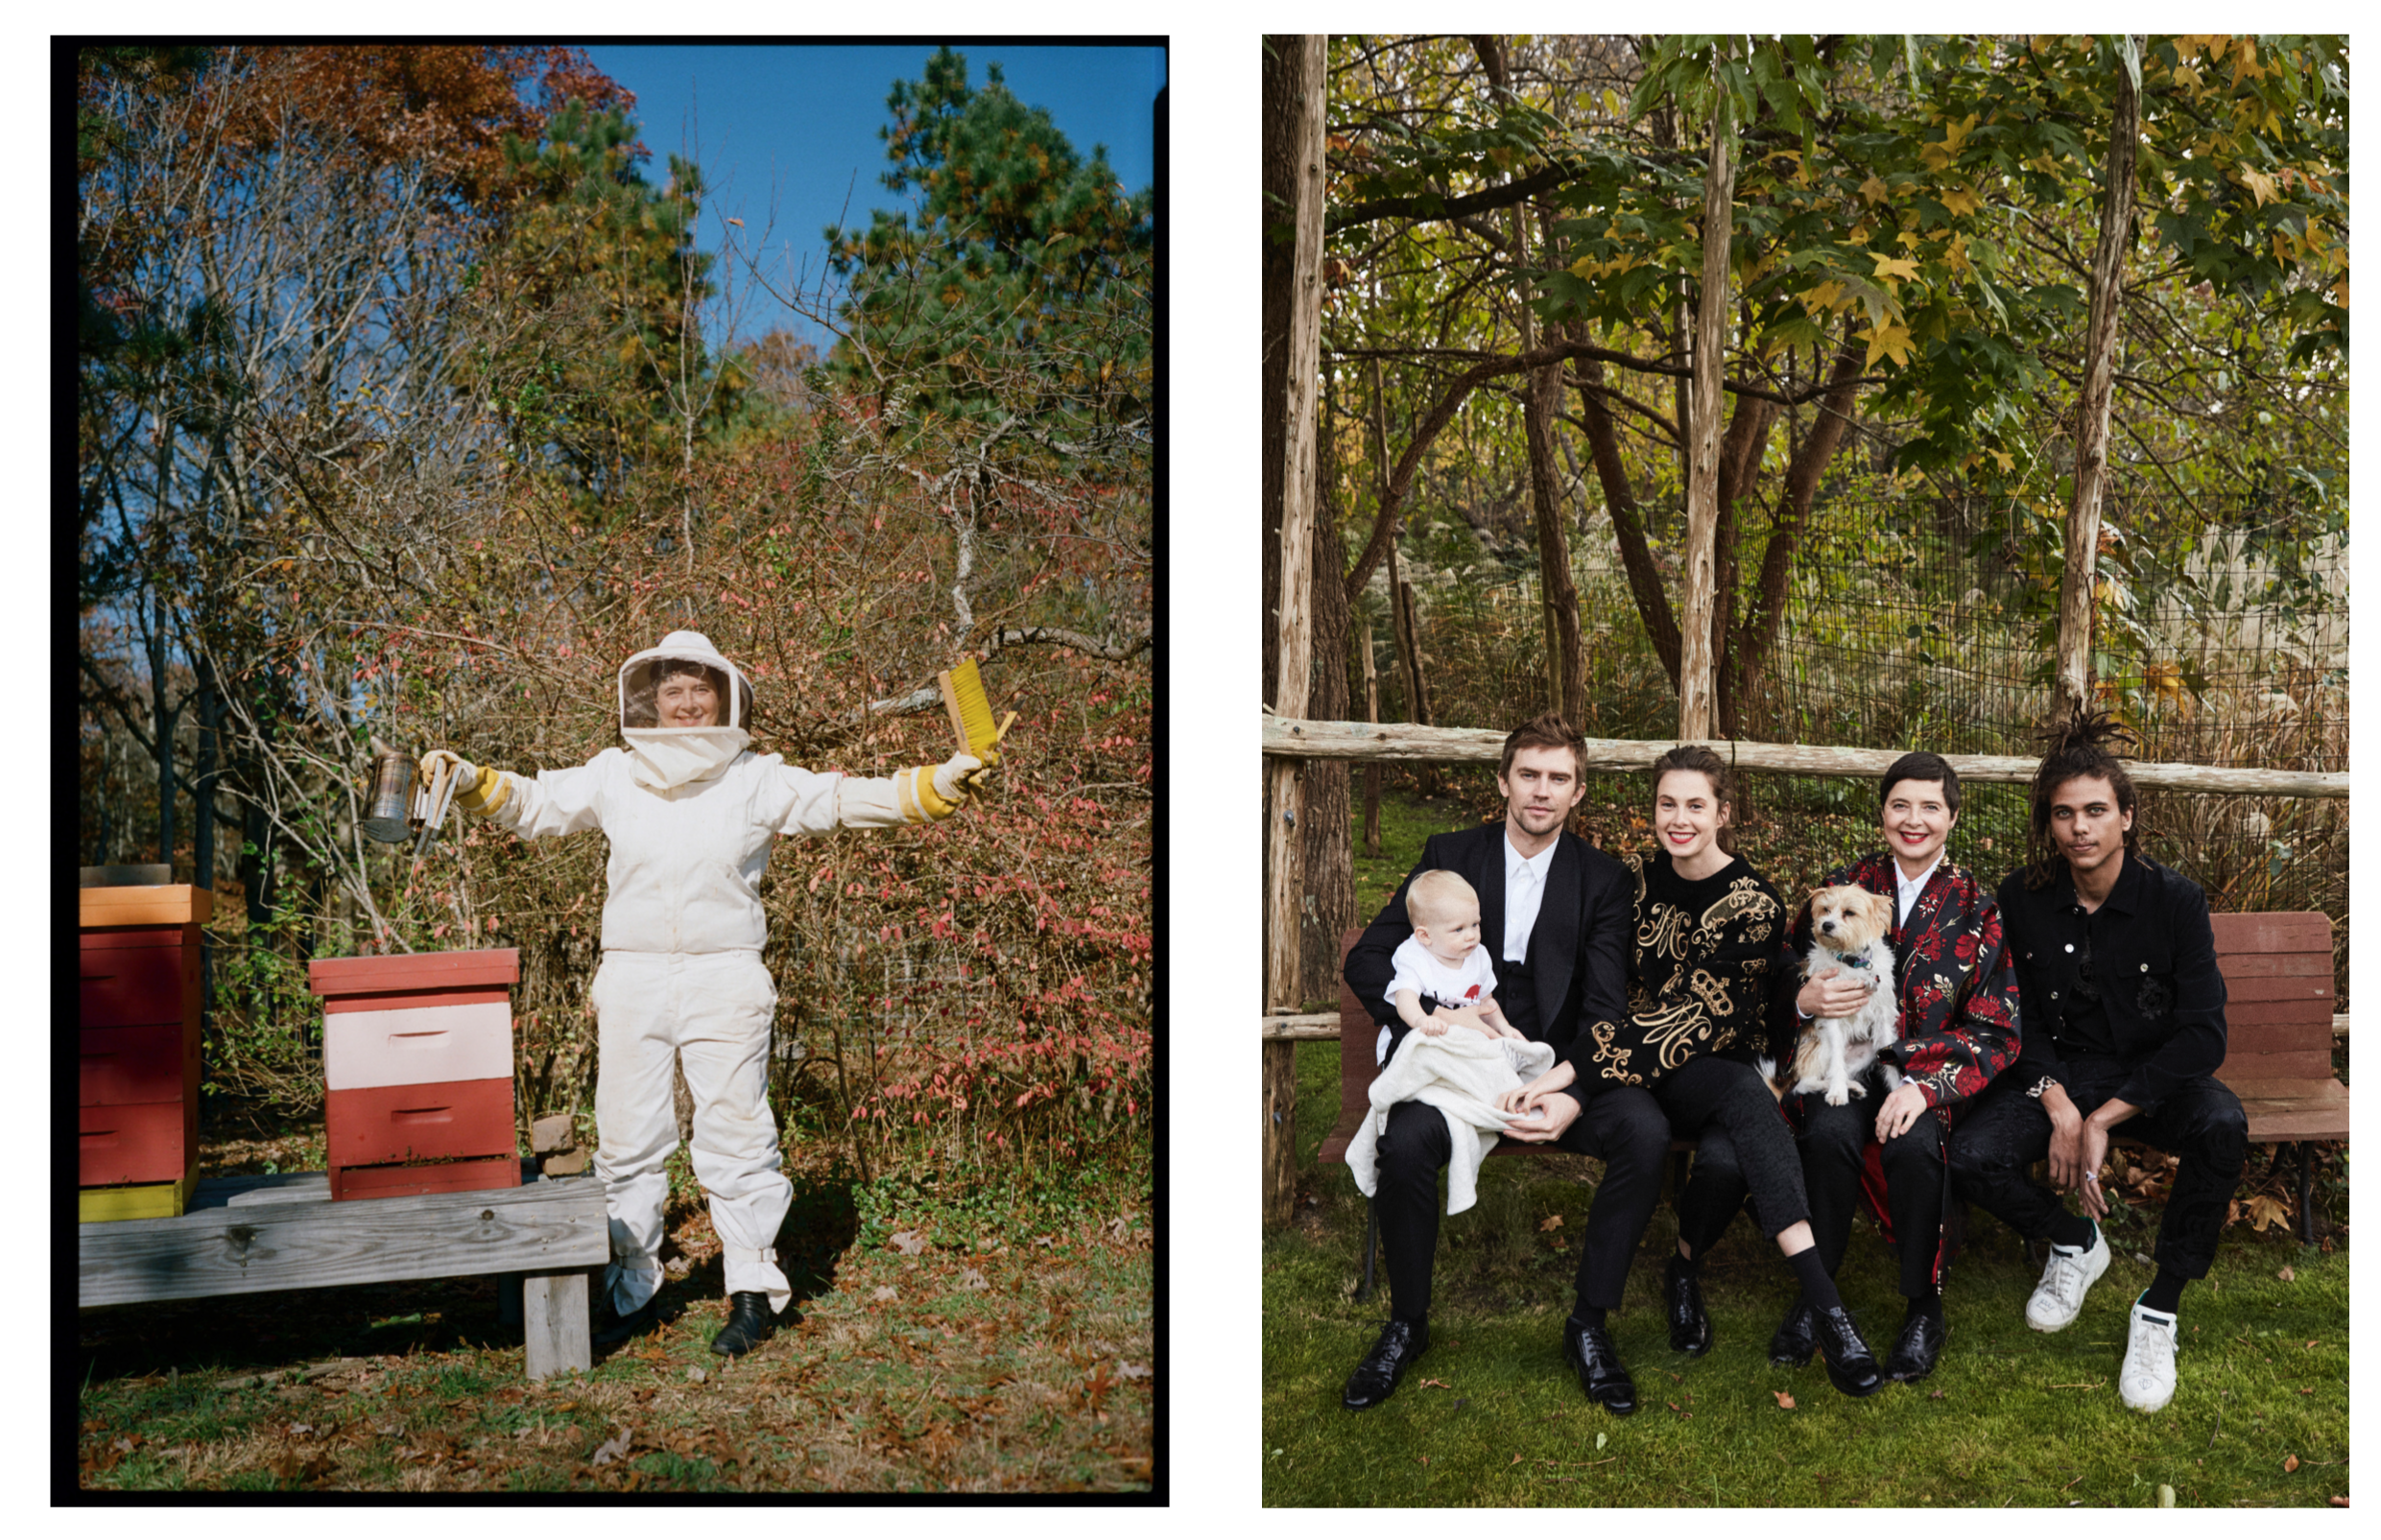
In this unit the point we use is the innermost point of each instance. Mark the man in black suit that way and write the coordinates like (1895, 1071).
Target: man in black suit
(1556, 913)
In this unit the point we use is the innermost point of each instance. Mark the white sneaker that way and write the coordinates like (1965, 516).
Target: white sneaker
(2071, 1270)
(2147, 1382)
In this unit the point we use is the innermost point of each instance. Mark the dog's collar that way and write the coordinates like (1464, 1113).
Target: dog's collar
(1853, 959)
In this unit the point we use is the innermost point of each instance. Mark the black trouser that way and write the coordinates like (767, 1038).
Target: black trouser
(2007, 1130)
(1832, 1141)
(1741, 1144)
(1621, 1125)
(1833, 1144)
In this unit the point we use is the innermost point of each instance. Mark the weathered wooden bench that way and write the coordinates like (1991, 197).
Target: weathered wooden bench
(2278, 1032)
(2280, 1027)
(257, 1234)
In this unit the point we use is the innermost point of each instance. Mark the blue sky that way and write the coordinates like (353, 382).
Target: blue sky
(800, 123)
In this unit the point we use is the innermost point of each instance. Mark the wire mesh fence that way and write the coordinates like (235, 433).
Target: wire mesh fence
(1930, 622)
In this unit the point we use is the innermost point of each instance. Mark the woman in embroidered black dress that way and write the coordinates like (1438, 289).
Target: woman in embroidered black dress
(1958, 1029)
(1704, 953)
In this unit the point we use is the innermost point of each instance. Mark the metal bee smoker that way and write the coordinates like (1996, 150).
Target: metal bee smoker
(401, 803)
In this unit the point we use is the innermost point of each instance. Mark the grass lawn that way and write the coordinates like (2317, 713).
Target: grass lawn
(2011, 1417)
(1013, 1353)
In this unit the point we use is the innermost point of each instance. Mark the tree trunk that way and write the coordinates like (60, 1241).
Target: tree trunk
(1740, 470)
(1300, 360)
(1620, 501)
(161, 722)
(1282, 85)
(1330, 881)
(1371, 772)
(2076, 599)
(1696, 699)
(1566, 669)
(1758, 642)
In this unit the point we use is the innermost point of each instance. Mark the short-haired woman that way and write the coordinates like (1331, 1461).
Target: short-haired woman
(1958, 1028)
(1703, 948)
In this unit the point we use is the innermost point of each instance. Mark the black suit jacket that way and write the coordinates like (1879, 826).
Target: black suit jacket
(1580, 965)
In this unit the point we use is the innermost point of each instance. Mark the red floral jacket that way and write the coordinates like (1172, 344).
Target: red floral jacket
(1959, 993)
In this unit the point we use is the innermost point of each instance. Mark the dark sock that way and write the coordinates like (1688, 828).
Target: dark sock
(1685, 1265)
(2165, 1291)
(1818, 1289)
(1929, 1306)
(1422, 1320)
(2074, 1231)
(1587, 1314)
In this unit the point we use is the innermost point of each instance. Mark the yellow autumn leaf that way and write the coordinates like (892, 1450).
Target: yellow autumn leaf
(1893, 266)
(1860, 234)
(1585, 268)
(2340, 291)
(1956, 256)
(1960, 200)
(2258, 183)
(2006, 460)
(1874, 189)
(1888, 341)
(1830, 295)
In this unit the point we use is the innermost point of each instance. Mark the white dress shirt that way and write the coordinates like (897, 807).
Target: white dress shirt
(1525, 887)
(1908, 890)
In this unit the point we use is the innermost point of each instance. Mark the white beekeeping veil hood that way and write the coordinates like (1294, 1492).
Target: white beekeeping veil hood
(668, 757)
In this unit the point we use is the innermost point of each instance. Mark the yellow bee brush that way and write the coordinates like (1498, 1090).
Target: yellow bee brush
(972, 713)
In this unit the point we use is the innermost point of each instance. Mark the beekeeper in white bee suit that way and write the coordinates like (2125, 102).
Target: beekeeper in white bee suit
(690, 815)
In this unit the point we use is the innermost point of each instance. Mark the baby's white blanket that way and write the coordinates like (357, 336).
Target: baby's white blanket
(1462, 1074)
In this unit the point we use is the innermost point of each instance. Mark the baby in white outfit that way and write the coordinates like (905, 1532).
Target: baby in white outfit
(1443, 959)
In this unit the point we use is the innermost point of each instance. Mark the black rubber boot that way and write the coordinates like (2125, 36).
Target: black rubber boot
(747, 1324)
(619, 1329)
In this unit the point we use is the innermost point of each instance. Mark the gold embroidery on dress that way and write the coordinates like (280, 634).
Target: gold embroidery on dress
(1742, 900)
(1663, 932)
(1673, 1033)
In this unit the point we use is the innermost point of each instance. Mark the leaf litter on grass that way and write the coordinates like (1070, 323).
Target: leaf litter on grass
(987, 1373)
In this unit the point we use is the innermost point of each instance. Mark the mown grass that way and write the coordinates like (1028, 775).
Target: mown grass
(2011, 1417)
(1013, 1353)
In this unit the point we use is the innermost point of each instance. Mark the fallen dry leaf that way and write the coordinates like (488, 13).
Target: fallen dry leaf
(1132, 1371)
(2287, 1276)
(909, 1242)
(1440, 1384)
(611, 1449)
(973, 1279)
(1425, 1459)
(1784, 1400)
(2339, 1499)
(2290, 1463)
(884, 1293)
(1552, 1221)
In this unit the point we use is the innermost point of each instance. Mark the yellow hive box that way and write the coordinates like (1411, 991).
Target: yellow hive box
(174, 904)
(159, 1200)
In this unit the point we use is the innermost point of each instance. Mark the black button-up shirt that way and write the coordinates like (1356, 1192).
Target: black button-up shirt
(2149, 954)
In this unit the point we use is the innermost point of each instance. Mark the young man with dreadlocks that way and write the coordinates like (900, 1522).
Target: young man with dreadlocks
(2122, 1026)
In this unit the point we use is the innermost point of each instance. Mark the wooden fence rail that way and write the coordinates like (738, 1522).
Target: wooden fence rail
(1287, 738)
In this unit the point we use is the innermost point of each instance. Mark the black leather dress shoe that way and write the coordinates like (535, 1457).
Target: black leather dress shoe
(1690, 1326)
(1601, 1373)
(1400, 1343)
(1916, 1349)
(1792, 1346)
(1850, 1366)
(747, 1324)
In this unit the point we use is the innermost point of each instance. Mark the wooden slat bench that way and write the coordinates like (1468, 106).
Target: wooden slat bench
(2277, 971)
(254, 1234)
(2280, 1027)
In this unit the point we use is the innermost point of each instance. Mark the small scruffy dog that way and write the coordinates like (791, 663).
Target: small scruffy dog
(1848, 927)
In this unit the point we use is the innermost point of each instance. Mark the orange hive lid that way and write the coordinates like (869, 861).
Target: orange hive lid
(421, 970)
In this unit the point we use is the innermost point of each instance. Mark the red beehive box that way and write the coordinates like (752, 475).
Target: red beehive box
(384, 1140)
(137, 1037)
